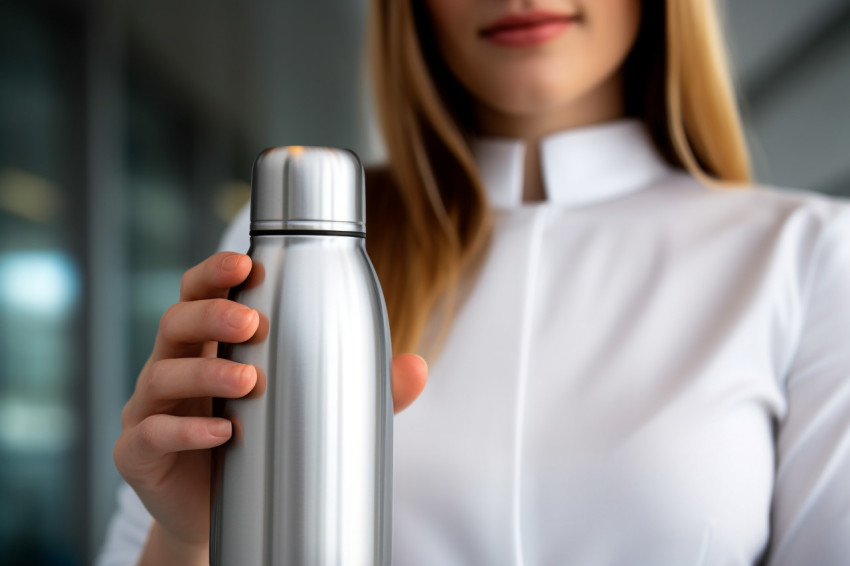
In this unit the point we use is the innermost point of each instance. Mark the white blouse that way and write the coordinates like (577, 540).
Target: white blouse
(648, 371)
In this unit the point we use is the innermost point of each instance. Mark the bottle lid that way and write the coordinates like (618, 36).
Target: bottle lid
(307, 189)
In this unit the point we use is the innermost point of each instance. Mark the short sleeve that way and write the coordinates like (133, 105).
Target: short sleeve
(810, 518)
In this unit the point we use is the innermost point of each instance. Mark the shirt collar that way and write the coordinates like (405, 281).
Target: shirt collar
(579, 166)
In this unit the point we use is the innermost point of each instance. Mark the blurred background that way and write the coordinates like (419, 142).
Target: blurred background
(127, 135)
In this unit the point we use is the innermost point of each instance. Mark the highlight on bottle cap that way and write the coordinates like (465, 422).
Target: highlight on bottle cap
(308, 188)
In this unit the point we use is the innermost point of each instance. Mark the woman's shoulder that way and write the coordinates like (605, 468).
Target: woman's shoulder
(754, 199)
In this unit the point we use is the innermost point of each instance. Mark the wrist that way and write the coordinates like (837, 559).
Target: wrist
(164, 548)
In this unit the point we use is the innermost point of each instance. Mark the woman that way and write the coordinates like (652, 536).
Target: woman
(637, 356)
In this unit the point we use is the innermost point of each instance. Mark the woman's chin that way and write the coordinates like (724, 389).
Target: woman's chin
(529, 103)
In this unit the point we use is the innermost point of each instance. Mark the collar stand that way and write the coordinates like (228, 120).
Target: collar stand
(580, 166)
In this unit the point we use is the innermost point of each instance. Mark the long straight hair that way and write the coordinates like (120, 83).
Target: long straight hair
(429, 218)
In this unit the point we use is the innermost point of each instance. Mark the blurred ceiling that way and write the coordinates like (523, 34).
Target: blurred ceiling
(268, 68)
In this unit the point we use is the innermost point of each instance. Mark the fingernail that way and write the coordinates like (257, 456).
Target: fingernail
(239, 317)
(246, 374)
(231, 262)
(220, 429)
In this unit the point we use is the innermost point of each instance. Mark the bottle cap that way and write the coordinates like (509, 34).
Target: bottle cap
(307, 188)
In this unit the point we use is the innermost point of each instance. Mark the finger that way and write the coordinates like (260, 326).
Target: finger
(186, 327)
(159, 435)
(409, 375)
(214, 276)
(170, 380)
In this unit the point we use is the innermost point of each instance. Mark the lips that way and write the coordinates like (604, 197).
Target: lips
(527, 29)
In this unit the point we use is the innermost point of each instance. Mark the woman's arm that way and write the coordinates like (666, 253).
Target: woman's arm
(810, 519)
(161, 548)
(127, 531)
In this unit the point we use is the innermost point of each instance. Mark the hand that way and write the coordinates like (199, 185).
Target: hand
(167, 425)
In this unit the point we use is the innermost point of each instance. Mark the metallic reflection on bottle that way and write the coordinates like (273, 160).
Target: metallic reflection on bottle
(307, 477)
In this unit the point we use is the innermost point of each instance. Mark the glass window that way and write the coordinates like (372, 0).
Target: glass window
(42, 439)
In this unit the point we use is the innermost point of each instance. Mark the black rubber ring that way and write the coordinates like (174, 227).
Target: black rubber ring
(306, 233)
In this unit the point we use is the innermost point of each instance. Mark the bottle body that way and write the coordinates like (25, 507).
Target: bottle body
(306, 478)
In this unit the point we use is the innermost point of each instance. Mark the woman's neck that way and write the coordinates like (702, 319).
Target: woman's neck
(603, 104)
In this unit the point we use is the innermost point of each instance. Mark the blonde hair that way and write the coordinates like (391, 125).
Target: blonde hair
(429, 218)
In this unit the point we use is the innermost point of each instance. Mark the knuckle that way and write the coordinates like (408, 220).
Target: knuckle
(187, 433)
(166, 322)
(215, 310)
(233, 376)
(147, 433)
(125, 415)
(216, 370)
(118, 456)
(150, 383)
(185, 283)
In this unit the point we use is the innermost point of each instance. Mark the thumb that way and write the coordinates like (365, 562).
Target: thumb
(409, 374)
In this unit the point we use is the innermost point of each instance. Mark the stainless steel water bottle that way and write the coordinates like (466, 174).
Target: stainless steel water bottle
(306, 478)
